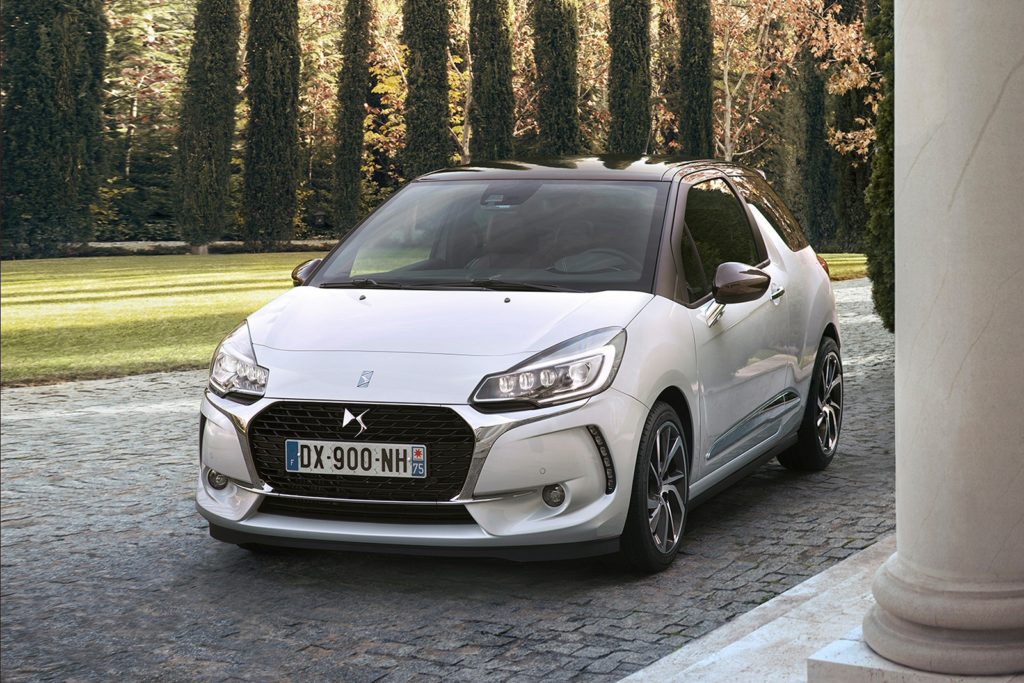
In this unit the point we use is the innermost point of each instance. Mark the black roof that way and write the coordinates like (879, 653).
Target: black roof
(606, 167)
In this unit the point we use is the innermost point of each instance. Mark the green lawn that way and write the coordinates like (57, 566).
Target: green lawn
(76, 318)
(109, 316)
(846, 266)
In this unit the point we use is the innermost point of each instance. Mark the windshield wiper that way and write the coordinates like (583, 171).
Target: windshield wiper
(476, 283)
(491, 283)
(363, 283)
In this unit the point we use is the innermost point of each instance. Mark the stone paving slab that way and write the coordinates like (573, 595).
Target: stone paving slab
(771, 643)
(107, 571)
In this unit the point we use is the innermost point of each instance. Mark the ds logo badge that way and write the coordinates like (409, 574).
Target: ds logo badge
(364, 379)
(349, 417)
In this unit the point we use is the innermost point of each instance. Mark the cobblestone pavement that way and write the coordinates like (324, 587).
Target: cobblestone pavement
(107, 571)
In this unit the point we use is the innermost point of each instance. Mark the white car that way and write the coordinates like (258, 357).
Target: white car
(528, 361)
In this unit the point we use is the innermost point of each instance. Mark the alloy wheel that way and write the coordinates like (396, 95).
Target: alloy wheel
(666, 503)
(829, 416)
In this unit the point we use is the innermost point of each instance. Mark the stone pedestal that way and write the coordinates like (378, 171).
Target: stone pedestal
(952, 597)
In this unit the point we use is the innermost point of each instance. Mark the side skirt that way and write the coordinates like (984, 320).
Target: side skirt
(745, 471)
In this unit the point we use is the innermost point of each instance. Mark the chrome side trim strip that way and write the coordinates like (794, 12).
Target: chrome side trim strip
(766, 415)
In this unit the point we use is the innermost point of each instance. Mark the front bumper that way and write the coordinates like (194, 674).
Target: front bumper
(515, 456)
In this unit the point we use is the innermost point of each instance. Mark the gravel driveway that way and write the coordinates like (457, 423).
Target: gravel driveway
(108, 572)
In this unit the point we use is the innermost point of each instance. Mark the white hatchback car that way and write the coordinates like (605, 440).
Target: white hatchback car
(527, 360)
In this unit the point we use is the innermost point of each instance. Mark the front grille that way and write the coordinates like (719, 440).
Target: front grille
(367, 512)
(448, 439)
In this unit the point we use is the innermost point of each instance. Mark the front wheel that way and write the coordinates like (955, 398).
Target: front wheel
(818, 436)
(657, 508)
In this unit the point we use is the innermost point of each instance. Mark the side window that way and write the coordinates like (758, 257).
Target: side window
(716, 231)
(761, 197)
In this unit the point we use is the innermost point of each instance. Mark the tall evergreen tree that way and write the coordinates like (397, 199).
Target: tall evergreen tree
(272, 140)
(428, 139)
(853, 173)
(353, 83)
(629, 79)
(786, 124)
(52, 79)
(555, 51)
(879, 240)
(208, 124)
(696, 93)
(492, 113)
(816, 167)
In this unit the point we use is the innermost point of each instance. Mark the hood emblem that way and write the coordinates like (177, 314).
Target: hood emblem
(349, 417)
(364, 379)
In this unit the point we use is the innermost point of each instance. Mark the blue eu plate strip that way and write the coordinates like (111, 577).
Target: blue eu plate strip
(292, 455)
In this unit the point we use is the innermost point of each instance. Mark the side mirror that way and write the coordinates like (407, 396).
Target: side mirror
(736, 283)
(302, 271)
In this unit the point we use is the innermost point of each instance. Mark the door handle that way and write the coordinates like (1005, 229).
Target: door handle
(777, 292)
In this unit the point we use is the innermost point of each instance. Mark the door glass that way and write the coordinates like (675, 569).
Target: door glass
(761, 197)
(718, 231)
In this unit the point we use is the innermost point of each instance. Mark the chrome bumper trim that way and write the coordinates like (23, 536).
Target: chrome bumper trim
(267, 490)
(486, 430)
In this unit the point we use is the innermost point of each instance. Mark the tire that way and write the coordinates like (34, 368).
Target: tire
(818, 436)
(656, 518)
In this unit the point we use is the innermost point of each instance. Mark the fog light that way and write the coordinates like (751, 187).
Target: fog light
(553, 495)
(216, 480)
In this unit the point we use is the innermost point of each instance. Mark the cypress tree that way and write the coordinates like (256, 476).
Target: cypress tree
(853, 174)
(208, 124)
(353, 83)
(879, 239)
(492, 111)
(696, 95)
(272, 140)
(629, 80)
(555, 50)
(816, 168)
(52, 79)
(786, 124)
(428, 142)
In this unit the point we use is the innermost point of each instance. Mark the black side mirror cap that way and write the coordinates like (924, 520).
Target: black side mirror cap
(301, 272)
(736, 283)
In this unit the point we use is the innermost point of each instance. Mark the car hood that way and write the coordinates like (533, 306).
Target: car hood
(461, 323)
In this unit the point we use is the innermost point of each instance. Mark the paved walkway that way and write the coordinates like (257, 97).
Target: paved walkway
(108, 572)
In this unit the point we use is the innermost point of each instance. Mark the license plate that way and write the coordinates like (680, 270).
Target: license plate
(359, 458)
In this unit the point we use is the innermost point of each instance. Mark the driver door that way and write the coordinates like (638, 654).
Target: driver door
(741, 370)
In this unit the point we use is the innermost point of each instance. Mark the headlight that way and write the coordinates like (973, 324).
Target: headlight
(234, 369)
(577, 368)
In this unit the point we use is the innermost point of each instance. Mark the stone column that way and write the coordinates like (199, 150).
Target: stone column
(951, 599)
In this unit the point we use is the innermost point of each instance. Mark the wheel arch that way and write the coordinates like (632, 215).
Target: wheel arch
(832, 333)
(676, 399)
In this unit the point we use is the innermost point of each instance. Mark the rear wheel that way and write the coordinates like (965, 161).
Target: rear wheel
(818, 436)
(657, 508)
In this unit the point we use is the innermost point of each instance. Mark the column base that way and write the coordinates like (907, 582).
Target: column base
(954, 628)
(948, 651)
(850, 660)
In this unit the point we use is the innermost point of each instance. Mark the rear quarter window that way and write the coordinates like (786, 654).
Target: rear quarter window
(759, 194)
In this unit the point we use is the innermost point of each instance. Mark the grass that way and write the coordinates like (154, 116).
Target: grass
(846, 266)
(79, 318)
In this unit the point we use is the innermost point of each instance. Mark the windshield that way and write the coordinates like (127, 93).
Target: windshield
(508, 234)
